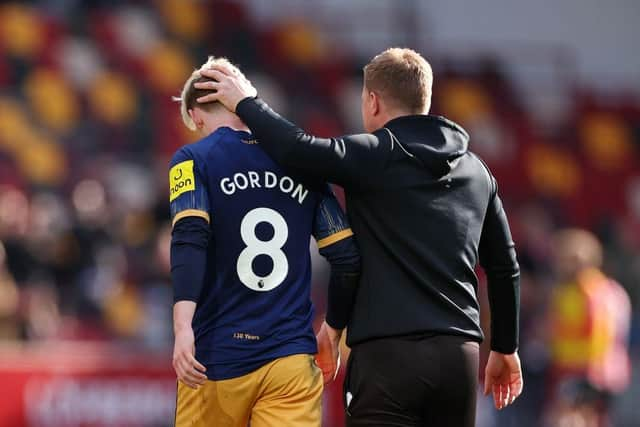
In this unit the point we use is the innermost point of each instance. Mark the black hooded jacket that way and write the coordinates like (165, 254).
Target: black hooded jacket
(424, 211)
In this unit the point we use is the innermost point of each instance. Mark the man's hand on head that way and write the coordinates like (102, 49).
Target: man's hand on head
(228, 86)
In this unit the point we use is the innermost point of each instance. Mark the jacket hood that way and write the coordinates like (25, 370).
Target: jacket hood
(433, 140)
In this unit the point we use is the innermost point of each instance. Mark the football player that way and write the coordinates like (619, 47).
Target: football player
(241, 270)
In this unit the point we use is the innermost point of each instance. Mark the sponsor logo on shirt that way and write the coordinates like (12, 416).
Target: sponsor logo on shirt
(181, 179)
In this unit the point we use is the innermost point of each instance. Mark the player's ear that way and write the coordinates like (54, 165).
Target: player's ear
(374, 103)
(195, 117)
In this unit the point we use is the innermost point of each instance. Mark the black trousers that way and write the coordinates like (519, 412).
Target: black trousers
(412, 381)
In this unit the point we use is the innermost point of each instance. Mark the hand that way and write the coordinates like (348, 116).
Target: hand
(187, 368)
(328, 357)
(503, 377)
(229, 86)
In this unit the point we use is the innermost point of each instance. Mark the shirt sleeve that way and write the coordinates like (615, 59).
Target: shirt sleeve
(348, 160)
(188, 195)
(330, 224)
(189, 243)
(337, 245)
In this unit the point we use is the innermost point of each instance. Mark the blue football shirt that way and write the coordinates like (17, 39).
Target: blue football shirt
(255, 303)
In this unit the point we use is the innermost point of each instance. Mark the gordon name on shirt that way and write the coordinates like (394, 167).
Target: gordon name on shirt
(266, 179)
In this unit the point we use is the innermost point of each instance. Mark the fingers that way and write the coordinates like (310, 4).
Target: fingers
(191, 380)
(212, 97)
(189, 370)
(328, 369)
(515, 389)
(329, 374)
(328, 357)
(327, 377)
(497, 396)
(226, 69)
(199, 366)
(504, 394)
(220, 68)
(513, 393)
(184, 378)
(213, 73)
(210, 85)
(500, 396)
(192, 372)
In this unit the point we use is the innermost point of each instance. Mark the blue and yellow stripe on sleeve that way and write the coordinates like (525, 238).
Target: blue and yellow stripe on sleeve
(330, 225)
(188, 194)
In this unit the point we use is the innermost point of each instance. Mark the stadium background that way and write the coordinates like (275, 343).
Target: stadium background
(549, 93)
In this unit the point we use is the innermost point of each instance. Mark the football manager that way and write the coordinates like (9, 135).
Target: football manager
(425, 210)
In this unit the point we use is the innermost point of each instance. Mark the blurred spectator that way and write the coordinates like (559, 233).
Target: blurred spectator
(9, 303)
(589, 326)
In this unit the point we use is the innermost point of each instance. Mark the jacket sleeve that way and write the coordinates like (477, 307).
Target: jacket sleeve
(498, 258)
(337, 245)
(348, 160)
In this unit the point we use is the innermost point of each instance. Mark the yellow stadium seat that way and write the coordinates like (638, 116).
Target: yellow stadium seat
(176, 66)
(300, 43)
(606, 141)
(552, 171)
(113, 98)
(185, 18)
(14, 124)
(52, 99)
(463, 100)
(21, 30)
(42, 160)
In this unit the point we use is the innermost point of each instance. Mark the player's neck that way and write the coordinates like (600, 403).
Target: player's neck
(223, 119)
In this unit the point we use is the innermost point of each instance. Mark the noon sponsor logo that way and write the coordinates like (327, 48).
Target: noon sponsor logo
(181, 179)
(180, 185)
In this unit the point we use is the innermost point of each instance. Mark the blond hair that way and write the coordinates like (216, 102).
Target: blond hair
(188, 99)
(402, 77)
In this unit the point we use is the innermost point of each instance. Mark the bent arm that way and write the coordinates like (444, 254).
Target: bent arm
(347, 161)
(498, 258)
(337, 245)
(344, 259)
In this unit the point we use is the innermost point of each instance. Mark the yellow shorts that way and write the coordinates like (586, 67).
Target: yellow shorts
(285, 392)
